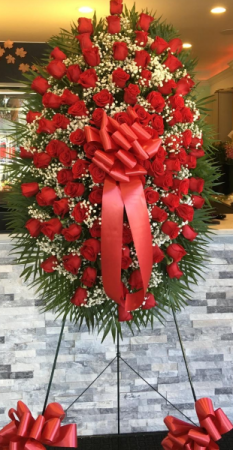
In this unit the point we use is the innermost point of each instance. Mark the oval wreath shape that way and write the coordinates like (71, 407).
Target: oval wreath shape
(109, 195)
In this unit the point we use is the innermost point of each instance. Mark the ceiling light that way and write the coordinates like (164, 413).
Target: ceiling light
(85, 9)
(218, 10)
(187, 45)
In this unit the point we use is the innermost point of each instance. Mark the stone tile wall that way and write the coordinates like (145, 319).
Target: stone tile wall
(28, 341)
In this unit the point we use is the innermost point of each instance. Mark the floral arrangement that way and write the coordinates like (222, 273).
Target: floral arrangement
(224, 153)
(110, 190)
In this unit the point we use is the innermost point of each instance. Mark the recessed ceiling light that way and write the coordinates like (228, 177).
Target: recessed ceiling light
(218, 10)
(85, 9)
(187, 45)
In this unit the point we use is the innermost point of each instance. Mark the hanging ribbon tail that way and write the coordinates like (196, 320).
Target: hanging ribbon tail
(135, 205)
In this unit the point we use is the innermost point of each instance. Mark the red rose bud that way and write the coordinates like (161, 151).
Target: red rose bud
(31, 116)
(120, 51)
(171, 201)
(196, 184)
(103, 98)
(123, 315)
(89, 276)
(185, 212)
(158, 214)
(34, 227)
(25, 154)
(173, 165)
(68, 98)
(60, 121)
(174, 271)
(88, 78)
(78, 109)
(191, 162)
(131, 93)
(159, 45)
(79, 214)
(198, 201)
(158, 255)
(85, 25)
(176, 45)
(56, 68)
(46, 197)
(64, 175)
(156, 100)
(149, 301)
(141, 38)
(72, 263)
(55, 147)
(29, 189)
(90, 249)
(157, 123)
(50, 100)
(167, 87)
(84, 40)
(189, 233)
(151, 195)
(80, 296)
(61, 207)
(176, 252)
(98, 175)
(97, 118)
(49, 264)
(184, 85)
(143, 116)
(127, 235)
(145, 77)
(135, 280)
(176, 118)
(120, 77)
(72, 233)
(91, 56)
(126, 261)
(41, 160)
(73, 73)
(78, 137)
(144, 21)
(116, 6)
(96, 195)
(177, 102)
(114, 24)
(171, 229)
(173, 63)
(58, 54)
(182, 186)
(197, 152)
(46, 126)
(142, 58)
(51, 227)
(187, 138)
(40, 85)
(182, 155)
(187, 115)
(95, 230)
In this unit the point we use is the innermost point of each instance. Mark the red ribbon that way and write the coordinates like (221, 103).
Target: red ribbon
(122, 148)
(26, 433)
(182, 435)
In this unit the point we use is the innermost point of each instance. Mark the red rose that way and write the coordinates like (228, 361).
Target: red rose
(49, 264)
(156, 100)
(153, 133)
(64, 175)
(80, 168)
(196, 184)
(176, 101)
(174, 271)
(95, 230)
(167, 87)
(114, 24)
(97, 117)
(31, 116)
(187, 138)
(158, 255)
(120, 51)
(191, 162)
(41, 160)
(151, 195)
(61, 207)
(125, 260)
(198, 201)
(157, 123)
(91, 56)
(80, 296)
(88, 78)
(90, 148)
(189, 233)
(123, 117)
(184, 85)
(89, 276)
(90, 249)
(164, 181)
(142, 58)
(79, 212)
(173, 63)
(72, 263)
(182, 155)
(25, 154)
(176, 252)
(131, 93)
(51, 227)
(68, 98)
(170, 228)
(34, 227)
(77, 137)
(84, 40)
(157, 167)
(40, 85)
(172, 142)
(98, 175)
(29, 189)
(74, 189)
(73, 73)
(120, 77)
(161, 153)
(66, 156)
(58, 54)
(172, 201)
(46, 126)
(187, 115)
(197, 152)
(56, 68)
(72, 233)
(144, 21)
(78, 109)
(135, 280)
(85, 25)
(141, 38)
(159, 45)
(127, 235)
(145, 77)
(103, 98)
(173, 165)
(176, 45)
(123, 315)
(181, 186)
(96, 195)
(143, 116)
(60, 121)
(185, 212)
(176, 118)
(158, 214)
(55, 147)
(150, 301)
(116, 6)
(46, 196)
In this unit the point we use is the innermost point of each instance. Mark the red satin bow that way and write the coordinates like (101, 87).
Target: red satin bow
(122, 147)
(182, 435)
(26, 433)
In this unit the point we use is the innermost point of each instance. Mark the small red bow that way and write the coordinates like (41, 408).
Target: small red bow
(26, 433)
(183, 436)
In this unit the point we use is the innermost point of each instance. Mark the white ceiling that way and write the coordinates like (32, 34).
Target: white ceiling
(27, 20)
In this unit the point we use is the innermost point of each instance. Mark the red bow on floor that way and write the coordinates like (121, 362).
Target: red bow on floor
(26, 433)
(182, 435)
(122, 148)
